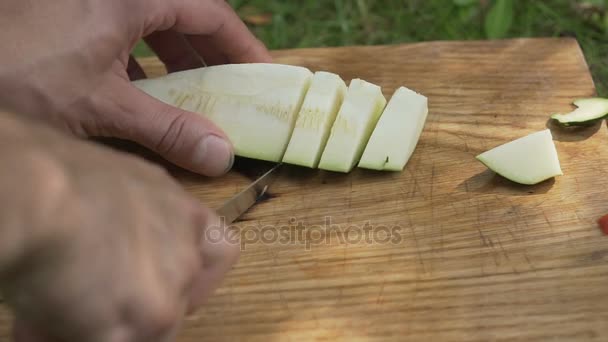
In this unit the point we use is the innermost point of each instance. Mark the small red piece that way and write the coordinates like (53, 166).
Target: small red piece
(603, 222)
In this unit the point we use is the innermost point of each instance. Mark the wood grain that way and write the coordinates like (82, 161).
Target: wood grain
(478, 258)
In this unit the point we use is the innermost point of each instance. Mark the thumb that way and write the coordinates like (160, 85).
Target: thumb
(184, 138)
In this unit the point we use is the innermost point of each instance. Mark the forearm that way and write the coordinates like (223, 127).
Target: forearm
(31, 186)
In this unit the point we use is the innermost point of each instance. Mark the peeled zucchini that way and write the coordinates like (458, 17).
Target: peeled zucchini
(589, 111)
(527, 160)
(278, 112)
(255, 104)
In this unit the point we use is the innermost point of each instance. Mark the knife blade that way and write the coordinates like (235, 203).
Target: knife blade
(241, 202)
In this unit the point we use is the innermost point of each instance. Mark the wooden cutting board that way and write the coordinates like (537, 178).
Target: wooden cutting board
(471, 256)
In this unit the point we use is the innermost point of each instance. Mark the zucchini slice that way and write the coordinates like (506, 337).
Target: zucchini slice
(397, 132)
(588, 112)
(315, 119)
(355, 121)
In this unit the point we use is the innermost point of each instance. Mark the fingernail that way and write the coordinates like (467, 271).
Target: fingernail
(214, 156)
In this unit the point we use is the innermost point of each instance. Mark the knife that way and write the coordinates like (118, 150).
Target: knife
(241, 202)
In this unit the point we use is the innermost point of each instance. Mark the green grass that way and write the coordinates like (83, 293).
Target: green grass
(320, 23)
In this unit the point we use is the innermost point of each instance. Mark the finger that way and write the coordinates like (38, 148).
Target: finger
(205, 47)
(184, 138)
(134, 70)
(220, 250)
(173, 50)
(223, 30)
(23, 332)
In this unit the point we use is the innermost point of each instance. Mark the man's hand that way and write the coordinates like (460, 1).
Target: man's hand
(68, 62)
(97, 245)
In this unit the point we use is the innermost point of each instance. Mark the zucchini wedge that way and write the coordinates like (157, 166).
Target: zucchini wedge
(528, 160)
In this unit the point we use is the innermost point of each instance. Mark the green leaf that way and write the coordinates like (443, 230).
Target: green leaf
(466, 14)
(465, 2)
(499, 19)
